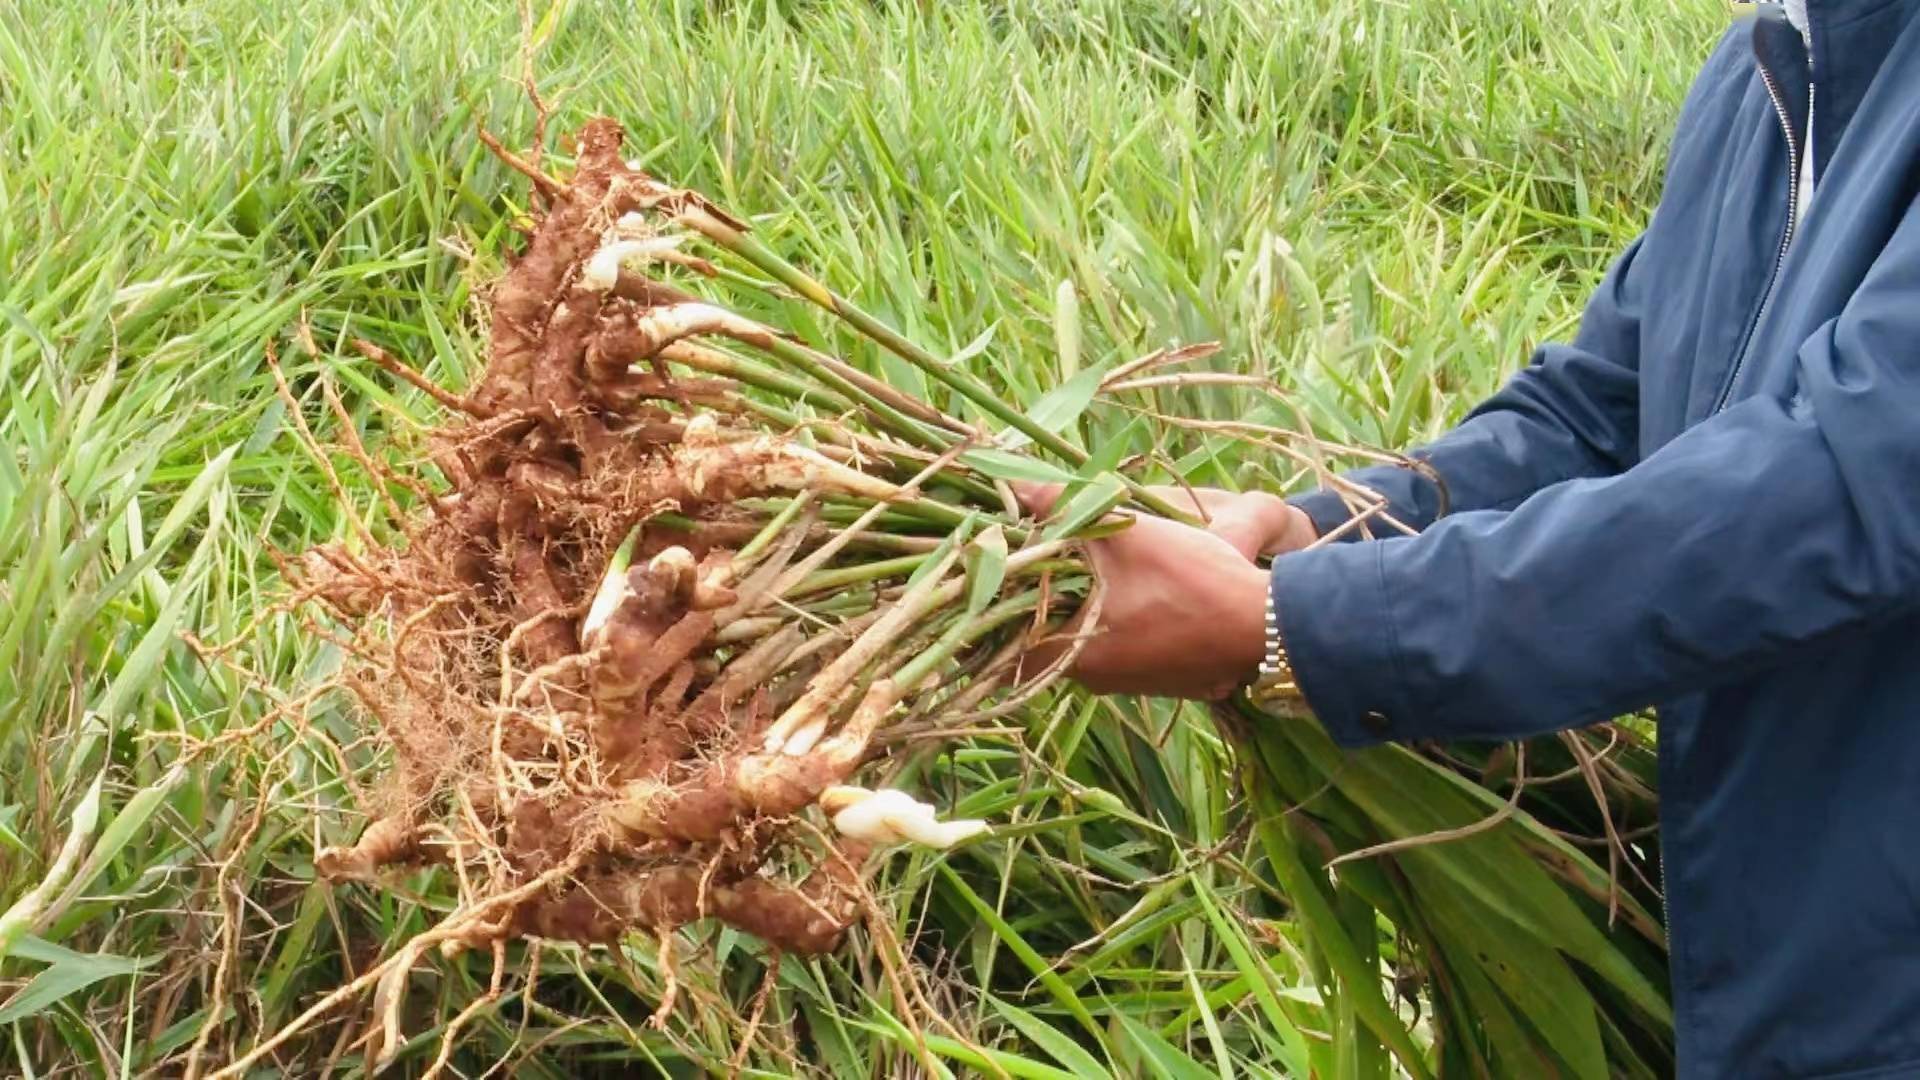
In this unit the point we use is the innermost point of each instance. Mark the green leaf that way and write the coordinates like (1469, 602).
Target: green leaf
(35, 904)
(1107, 456)
(986, 569)
(125, 825)
(1209, 1023)
(979, 1059)
(1408, 796)
(67, 976)
(1006, 465)
(9, 814)
(975, 347)
(41, 951)
(22, 322)
(834, 1042)
(144, 660)
(1084, 507)
(1315, 911)
(1059, 407)
(1358, 1052)
(1049, 1038)
(1258, 976)
(1066, 328)
(1532, 976)
(1483, 1006)
(1161, 1057)
(1021, 948)
(294, 950)
(939, 554)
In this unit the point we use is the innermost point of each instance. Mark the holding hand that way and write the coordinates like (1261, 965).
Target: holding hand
(1256, 523)
(1185, 608)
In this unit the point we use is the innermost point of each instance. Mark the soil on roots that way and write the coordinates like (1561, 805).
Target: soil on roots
(531, 728)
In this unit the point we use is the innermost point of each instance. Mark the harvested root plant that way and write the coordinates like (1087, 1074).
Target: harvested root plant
(645, 621)
(684, 587)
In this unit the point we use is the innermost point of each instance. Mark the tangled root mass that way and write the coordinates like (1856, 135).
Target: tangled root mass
(542, 711)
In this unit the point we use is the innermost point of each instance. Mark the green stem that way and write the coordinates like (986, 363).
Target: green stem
(713, 361)
(963, 632)
(751, 249)
(843, 604)
(782, 418)
(885, 415)
(918, 509)
(751, 551)
(1055, 566)
(858, 574)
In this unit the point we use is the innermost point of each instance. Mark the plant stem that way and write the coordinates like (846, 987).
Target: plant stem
(751, 249)
(32, 906)
(858, 574)
(726, 365)
(751, 551)
(962, 633)
(885, 415)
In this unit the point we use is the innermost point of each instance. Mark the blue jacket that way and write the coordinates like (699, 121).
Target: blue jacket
(1707, 502)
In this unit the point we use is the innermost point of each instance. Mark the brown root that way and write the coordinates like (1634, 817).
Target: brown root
(805, 920)
(386, 841)
(593, 653)
(762, 785)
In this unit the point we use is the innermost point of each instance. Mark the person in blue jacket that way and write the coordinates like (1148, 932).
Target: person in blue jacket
(1708, 502)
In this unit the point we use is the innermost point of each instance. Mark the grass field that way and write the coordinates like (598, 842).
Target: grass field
(1381, 205)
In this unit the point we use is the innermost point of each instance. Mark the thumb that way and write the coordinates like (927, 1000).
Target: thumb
(1247, 537)
(1285, 527)
(1036, 496)
(1261, 524)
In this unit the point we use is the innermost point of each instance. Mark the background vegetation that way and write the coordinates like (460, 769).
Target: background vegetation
(1381, 205)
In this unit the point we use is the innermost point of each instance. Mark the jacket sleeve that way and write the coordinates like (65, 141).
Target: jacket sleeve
(1772, 525)
(1572, 412)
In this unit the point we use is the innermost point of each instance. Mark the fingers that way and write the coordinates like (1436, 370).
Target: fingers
(1284, 527)
(1037, 497)
(1245, 535)
(1042, 654)
(1045, 653)
(1195, 501)
(1262, 524)
(1256, 523)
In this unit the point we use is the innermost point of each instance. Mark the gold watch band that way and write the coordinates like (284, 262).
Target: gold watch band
(1275, 688)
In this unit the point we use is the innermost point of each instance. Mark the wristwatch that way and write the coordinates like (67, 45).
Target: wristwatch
(1275, 688)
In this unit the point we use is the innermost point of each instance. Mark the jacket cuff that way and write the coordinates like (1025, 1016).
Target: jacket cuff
(1337, 626)
(1327, 512)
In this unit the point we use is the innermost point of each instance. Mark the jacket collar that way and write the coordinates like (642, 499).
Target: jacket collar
(1850, 42)
(1797, 14)
(1837, 11)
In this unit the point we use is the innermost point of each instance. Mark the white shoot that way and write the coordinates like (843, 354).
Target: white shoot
(613, 588)
(889, 816)
(603, 268)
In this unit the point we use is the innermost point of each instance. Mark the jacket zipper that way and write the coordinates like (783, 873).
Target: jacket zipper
(1726, 392)
(1786, 236)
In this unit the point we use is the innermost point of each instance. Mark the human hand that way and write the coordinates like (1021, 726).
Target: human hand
(1256, 523)
(1184, 608)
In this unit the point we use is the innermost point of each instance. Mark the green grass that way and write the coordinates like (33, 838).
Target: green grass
(1381, 205)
